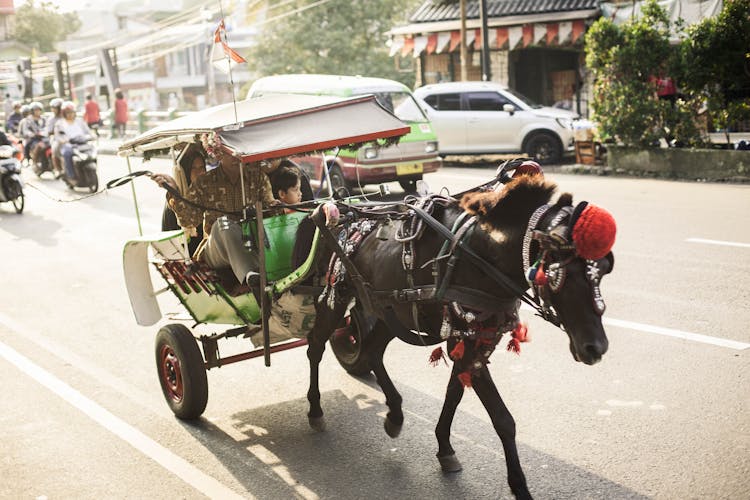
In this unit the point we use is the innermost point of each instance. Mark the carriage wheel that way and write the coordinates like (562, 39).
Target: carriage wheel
(179, 365)
(347, 343)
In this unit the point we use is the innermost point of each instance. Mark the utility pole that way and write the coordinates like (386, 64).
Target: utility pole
(486, 70)
(464, 50)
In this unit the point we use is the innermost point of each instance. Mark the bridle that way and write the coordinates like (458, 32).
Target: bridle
(544, 269)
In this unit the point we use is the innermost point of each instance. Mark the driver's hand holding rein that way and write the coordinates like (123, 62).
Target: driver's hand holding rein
(220, 190)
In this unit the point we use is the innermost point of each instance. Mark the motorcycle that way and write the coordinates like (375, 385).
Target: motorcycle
(84, 164)
(11, 184)
(45, 164)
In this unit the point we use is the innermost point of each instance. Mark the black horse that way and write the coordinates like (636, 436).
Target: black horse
(456, 272)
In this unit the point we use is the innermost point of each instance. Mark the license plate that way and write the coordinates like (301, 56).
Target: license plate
(409, 169)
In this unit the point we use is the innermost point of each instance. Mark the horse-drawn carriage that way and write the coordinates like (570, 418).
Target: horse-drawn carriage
(458, 268)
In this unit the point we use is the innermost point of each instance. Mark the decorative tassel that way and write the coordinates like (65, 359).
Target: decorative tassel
(465, 378)
(520, 334)
(541, 277)
(458, 351)
(436, 356)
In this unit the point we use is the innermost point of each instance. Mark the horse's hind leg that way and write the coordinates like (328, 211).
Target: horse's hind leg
(453, 395)
(375, 348)
(505, 427)
(325, 322)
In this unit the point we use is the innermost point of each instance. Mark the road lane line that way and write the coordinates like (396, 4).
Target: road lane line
(695, 337)
(670, 332)
(135, 438)
(719, 242)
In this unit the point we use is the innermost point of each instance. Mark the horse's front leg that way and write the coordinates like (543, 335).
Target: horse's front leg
(446, 454)
(505, 427)
(325, 323)
(375, 346)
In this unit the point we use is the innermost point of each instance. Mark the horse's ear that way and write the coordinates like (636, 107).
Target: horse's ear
(565, 200)
(479, 203)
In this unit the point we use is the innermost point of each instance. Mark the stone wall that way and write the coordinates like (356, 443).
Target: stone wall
(681, 163)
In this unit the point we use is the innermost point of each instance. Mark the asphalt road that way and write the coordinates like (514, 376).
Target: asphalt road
(664, 415)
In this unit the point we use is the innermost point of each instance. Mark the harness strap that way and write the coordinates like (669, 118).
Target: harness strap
(475, 259)
(474, 299)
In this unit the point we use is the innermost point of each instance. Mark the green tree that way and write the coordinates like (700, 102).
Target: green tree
(42, 25)
(716, 58)
(626, 60)
(336, 37)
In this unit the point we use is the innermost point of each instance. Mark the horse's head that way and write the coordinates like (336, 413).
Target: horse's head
(565, 253)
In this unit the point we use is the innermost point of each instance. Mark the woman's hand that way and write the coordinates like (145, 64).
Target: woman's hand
(164, 180)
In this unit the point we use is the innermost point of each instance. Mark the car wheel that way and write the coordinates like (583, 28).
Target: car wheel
(544, 148)
(338, 182)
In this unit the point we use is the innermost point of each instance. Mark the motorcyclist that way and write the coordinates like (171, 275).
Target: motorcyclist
(32, 130)
(69, 127)
(12, 121)
(55, 105)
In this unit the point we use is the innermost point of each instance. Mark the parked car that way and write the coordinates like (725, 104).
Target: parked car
(486, 117)
(405, 162)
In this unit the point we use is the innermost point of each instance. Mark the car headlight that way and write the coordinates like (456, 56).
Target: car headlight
(371, 153)
(565, 123)
(431, 147)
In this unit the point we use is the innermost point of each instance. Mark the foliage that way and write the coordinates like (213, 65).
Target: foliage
(626, 62)
(41, 25)
(716, 58)
(336, 37)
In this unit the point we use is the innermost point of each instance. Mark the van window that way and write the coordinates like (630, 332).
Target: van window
(401, 104)
(486, 101)
(444, 102)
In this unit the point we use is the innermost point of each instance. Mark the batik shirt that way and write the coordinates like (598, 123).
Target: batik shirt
(215, 190)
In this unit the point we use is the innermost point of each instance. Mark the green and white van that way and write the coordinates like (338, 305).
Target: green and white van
(416, 154)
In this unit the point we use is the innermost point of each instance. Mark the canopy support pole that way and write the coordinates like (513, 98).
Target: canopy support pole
(265, 306)
(135, 199)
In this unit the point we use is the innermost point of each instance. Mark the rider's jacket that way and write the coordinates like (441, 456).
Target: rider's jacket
(31, 127)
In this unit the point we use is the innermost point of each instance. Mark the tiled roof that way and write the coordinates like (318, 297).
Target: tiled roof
(435, 10)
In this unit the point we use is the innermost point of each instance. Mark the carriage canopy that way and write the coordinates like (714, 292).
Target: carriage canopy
(278, 125)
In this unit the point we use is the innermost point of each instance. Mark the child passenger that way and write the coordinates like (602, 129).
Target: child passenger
(286, 182)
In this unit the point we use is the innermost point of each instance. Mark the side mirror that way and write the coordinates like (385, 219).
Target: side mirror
(509, 108)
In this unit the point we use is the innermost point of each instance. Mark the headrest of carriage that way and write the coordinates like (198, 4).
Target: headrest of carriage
(590, 231)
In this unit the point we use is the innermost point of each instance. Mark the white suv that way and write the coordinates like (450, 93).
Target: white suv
(486, 117)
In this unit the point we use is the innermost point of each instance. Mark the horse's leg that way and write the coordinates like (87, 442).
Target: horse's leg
(325, 322)
(375, 346)
(505, 427)
(446, 454)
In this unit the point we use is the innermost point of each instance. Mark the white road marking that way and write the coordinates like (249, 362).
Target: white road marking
(150, 448)
(670, 332)
(695, 337)
(719, 242)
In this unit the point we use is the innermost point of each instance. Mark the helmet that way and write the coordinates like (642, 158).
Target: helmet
(56, 102)
(36, 105)
(68, 106)
(25, 109)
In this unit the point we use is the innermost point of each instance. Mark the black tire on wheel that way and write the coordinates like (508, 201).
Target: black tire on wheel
(18, 203)
(337, 178)
(89, 177)
(544, 148)
(347, 343)
(409, 185)
(181, 373)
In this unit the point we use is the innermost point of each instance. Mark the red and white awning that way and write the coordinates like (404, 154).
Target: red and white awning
(504, 38)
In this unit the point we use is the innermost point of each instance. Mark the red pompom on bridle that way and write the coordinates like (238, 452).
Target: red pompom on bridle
(594, 233)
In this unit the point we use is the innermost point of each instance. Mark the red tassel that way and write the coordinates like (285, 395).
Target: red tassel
(436, 356)
(465, 378)
(541, 278)
(520, 334)
(458, 351)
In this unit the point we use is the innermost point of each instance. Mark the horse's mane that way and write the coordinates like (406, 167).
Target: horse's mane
(513, 204)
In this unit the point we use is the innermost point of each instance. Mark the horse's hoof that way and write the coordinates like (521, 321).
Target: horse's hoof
(317, 423)
(393, 430)
(450, 463)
